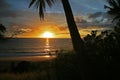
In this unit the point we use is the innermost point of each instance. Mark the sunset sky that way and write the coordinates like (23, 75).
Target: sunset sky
(24, 22)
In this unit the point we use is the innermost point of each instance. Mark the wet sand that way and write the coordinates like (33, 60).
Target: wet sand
(28, 58)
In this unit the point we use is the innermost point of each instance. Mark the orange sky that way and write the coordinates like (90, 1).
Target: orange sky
(37, 32)
(53, 22)
(59, 31)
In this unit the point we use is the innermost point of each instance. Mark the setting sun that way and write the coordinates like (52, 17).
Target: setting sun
(48, 34)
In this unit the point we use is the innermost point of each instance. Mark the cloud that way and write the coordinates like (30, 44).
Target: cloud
(94, 20)
(25, 30)
(100, 17)
(4, 4)
(6, 10)
(95, 15)
(17, 30)
(8, 13)
(79, 19)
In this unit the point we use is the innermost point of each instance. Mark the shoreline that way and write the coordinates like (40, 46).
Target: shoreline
(27, 56)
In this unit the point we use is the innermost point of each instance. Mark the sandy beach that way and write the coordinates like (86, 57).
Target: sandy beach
(25, 57)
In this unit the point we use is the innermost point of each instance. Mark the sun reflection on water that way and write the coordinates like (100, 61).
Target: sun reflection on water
(47, 56)
(47, 45)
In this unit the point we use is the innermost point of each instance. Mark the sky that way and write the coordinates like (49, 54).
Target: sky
(24, 22)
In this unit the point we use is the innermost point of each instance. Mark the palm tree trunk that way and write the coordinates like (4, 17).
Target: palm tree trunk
(74, 33)
(77, 41)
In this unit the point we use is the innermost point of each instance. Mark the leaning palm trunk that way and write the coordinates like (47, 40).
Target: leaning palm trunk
(77, 41)
(74, 33)
(78, 45)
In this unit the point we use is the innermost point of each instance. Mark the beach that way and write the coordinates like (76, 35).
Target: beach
(26, 56)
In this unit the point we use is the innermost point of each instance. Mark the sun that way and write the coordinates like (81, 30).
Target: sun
(48, 34)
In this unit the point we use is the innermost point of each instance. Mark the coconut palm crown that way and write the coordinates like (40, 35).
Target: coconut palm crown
(113, 8)
(41, 6)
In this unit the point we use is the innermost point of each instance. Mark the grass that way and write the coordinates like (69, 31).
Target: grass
(18, 76)
(35, 71)
(45, 70)
(63, 67)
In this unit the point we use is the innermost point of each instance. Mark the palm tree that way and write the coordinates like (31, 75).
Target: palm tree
(74, 33)
(2, 31)
(77, 41)
(113, 8)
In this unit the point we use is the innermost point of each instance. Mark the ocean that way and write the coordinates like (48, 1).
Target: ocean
(34, 45)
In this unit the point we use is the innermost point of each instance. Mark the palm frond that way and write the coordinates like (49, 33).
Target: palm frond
(31, 3)
(41, 6)
(50, 2)
(2, 28)
(113, 3)
(118, 2)
(113, 8)
(107, 7)
(116, 18)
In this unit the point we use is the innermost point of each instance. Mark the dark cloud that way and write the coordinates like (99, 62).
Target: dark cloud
(9, 13)
(95, 15)
(80, 20)
(20, 31)
(6, 10)
(98, 19)
(4, 4)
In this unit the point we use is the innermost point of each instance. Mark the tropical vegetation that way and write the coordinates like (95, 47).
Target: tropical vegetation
(95, 53)
(2, 31)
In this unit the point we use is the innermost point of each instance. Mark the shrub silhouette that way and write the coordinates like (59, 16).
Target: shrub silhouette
(21, 67)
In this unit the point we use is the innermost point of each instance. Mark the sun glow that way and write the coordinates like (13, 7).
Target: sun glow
(48, 34)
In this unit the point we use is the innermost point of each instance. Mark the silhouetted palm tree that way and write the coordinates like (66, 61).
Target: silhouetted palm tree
(41, 5)
(113, 8)
(78, 44)
(75, 36)
(2, 30)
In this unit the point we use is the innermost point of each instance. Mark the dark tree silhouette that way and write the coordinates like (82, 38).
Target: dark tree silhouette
(41, 6)
(103, 53)
(2, 30)
(113, 8)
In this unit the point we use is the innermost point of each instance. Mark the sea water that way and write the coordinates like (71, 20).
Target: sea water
(34, 45)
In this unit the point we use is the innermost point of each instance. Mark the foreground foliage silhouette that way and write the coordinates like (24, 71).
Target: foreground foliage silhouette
(113, 9)
(94, 53)
(2, 31)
